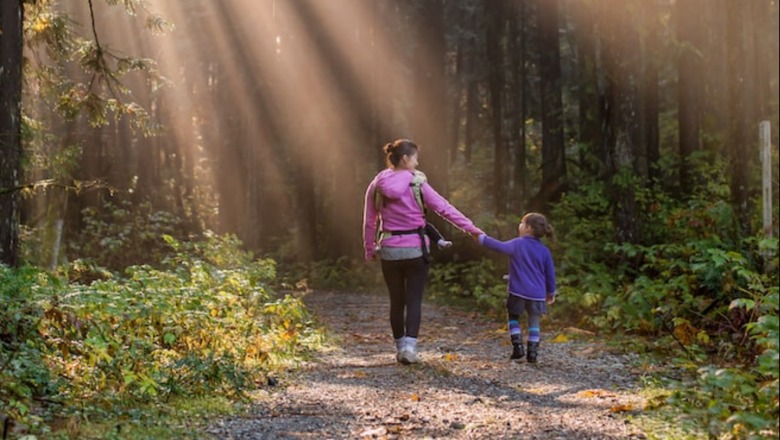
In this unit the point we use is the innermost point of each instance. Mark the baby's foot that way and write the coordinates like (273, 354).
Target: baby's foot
(444, 244)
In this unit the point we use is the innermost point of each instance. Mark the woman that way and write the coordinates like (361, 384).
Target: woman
(394, 230)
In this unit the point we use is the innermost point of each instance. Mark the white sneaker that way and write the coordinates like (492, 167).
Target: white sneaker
(409, 357)
(408, 353)
(400, 346)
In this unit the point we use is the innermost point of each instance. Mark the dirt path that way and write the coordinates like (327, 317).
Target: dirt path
(466, 387)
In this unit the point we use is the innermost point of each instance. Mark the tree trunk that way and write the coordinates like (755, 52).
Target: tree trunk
(519, 55)
(649, 93)
(553, 148)
(494, 12)
(590, 114)
(428, 120)
(11, 17)
(689, 73)
(715, 121)
(740, 145)
(622, 65)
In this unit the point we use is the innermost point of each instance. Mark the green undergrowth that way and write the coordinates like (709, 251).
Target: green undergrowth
(146, 348)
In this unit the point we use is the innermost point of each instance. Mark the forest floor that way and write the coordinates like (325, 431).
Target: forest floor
(465, 388)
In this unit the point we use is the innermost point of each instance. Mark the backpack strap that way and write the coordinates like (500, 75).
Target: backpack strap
(418, 178)
(417, 182)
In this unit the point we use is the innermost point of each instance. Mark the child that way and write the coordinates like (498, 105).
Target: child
(531, 280)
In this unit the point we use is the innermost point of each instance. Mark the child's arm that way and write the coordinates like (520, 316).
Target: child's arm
(505, 247)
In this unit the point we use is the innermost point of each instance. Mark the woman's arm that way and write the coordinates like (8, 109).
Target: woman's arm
(369, 223)
(438, 204)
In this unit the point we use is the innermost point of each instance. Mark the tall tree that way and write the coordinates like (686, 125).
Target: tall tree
(622, 63)
(689, 74)
(589, 97)
(649, 105)
(553, 147)
(739, 141)
(496, 18)
(518, 49)
(11, 17)
(428, 121)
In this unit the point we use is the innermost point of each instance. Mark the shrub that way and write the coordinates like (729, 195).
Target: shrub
(209, 325)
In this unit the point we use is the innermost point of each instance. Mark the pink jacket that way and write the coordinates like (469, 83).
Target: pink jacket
(401, 212)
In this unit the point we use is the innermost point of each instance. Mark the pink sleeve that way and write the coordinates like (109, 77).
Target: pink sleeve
(369, 223)
(443, 208)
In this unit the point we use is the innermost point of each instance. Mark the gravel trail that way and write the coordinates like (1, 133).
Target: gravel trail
(465, 388)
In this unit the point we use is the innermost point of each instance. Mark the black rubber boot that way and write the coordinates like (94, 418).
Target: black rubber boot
(533, 352)
(517, 351)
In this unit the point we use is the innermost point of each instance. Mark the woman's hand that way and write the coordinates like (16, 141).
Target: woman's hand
(550, 299)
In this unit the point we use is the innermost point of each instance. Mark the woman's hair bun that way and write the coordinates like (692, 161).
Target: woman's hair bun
(388, 148)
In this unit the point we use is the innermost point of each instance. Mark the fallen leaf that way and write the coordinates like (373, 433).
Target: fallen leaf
(595, 393)
(622, 408)
(560, 338)
(578, 331)
(450, 357)
(374, 432)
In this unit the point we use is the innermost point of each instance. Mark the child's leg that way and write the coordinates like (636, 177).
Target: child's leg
(534, 335)
(516, 336)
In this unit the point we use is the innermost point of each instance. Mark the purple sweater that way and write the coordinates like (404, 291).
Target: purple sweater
(531, 270)
(400, 211)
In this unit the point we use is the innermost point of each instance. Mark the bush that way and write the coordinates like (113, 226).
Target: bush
(209, 325)
(121, 235)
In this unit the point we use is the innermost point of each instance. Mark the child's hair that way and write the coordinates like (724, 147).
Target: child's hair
(540, 227)
(396, 150)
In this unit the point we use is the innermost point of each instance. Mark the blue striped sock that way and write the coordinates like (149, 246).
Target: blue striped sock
(515, 333)
(533, 334)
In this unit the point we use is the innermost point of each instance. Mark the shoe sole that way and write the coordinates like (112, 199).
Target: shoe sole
(406, 359)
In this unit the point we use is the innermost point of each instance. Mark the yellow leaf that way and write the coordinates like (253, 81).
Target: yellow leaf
(415, 397)
(622, 408)
(450, 357)
(560, 338)
(595, 393)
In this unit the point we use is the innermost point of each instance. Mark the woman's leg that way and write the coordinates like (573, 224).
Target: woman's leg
(416, 277)
(393, 272)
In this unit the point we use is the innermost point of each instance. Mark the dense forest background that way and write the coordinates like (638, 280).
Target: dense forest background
(191, 138)
(266, 119)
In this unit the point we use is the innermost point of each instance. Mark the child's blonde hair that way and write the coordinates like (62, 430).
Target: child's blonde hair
(539, 225)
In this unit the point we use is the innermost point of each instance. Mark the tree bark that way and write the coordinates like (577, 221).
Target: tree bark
(553, 148)
(519, 55)
(590, 115)
(11, 42)
(494, 13)
(689, 73)
(428, 120)
(622, 64)
(649, 92)
(739, 146)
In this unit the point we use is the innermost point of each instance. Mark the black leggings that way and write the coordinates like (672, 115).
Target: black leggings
(405, 282)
